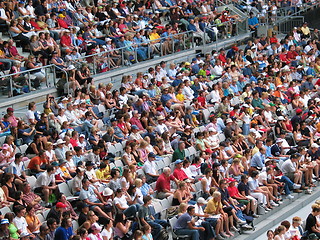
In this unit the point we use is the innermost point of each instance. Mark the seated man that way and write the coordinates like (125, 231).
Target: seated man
(146, 217)
(46, 184)
(30, 198)
(90, 195)
(311, 222)
(186, 225)
(149, 168)
(163, 184)
(38, 163)
(290, 169)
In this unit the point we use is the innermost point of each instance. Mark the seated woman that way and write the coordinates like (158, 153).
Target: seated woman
(25, 132)
(58, 61)
(127, 157)
(121, 203)
(32, 220)
(9, 188)
(181, 195)
(40, 79)
(17, 34)
(35, 146)
(121, 226)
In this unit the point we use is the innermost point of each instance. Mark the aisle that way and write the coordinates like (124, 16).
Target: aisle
(303, 213)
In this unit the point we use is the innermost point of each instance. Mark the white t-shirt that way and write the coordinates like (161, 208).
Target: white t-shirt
(122, 201)
(106, 233)
(29, 116)
(150, 167)
(21, 224)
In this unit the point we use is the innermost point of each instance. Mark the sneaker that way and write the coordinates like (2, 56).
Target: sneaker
(234, 229)
(290, 196)
(279, 201)
(274, 204)
(246, 226)
(267, 209)
(241, 221)
(255, 215)
(296, 186)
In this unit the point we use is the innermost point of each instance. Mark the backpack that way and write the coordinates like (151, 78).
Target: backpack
(163, 235)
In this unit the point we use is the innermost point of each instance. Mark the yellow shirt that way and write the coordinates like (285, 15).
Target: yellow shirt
(154, 36)
(180, 97)
(213, 206)
(65, 172)
(103, 175)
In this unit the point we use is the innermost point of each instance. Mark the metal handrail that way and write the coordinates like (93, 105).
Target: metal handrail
(135, 45)
(29, 72)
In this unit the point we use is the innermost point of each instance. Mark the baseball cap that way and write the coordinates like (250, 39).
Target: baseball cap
(178, 161)
(135, 127)
(10, 109)
(89, 164)
(201, 200)
(60, 205)
(299, 110)
(152, 155)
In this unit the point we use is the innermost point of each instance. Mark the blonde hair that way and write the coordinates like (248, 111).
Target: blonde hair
(216, 194)
(138, 182)
(182, 206)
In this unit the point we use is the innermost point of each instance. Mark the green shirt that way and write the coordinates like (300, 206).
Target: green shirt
(257, 103)
(177, 154)
(13, 230)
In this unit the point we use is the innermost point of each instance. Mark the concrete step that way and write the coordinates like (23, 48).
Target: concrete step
(281, 213)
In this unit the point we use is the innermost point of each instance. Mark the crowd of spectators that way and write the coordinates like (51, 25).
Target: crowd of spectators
(219, 139)
(156, 117)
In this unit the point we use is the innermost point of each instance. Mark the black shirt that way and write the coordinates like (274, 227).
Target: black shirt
(82, 218)
(311, 222)
(243, 187)
(53, 213)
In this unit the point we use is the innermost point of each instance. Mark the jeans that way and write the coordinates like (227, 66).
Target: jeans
(192, 232)
(209, 232)
(245, 129)
(132, 210)
(288, 184)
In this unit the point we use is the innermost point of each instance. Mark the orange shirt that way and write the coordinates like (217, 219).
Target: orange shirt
(35, 161)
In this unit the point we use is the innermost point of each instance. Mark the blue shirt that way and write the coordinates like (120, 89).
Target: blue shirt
(182, 222)
(63, 234)
(253, 21)
(257, 160)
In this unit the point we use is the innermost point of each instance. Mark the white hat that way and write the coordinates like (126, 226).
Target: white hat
(281, 118)
(201, 200)
(211, 129)
(255, 115)
(107, 192)
(71, 67)
(65, 99)
(252, 130)
(279, 140)
(314, 145)
(247, 63)
(229, 120)
(60, 141)
(174, 135)
(108, 39)
(245, 105)
(317, 99)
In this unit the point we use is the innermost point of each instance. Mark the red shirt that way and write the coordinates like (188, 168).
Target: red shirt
(74, 142)
(233, 192)
(163, 183)
(179, 174)
(202, 101)
(62, 23)
(222, 58)
(65, 40)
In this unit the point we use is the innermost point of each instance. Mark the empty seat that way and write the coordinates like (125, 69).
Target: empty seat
(41, 218)
(64, 188)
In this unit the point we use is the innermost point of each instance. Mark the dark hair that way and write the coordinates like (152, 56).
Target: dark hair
(50, 168)
(254, 174)
(51, 221)
(64, 222)
(114, 172)
(118, 219)
(146, 199)
(190, 208)
(18, 209)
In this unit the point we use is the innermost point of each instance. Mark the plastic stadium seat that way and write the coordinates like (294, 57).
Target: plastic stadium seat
(32, 181)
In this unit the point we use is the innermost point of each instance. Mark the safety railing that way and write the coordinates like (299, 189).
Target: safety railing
(28, 81)
(134, 53)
